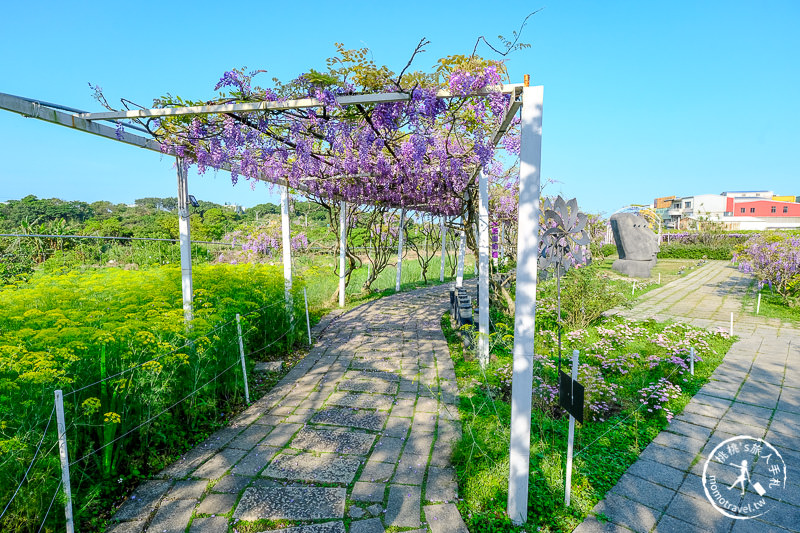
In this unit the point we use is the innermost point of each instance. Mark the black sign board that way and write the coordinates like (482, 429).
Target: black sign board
(570, 396)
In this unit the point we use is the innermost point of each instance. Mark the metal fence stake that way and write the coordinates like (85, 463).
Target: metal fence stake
(64, 455)
(241, 357)
(308, 320)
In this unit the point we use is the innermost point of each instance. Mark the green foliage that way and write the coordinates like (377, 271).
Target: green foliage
(585, 295)
(115, 341)
(696, 251)
(608, 249)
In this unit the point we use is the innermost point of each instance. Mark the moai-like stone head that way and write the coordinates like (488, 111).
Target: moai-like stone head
(635, 240)
(637, 245)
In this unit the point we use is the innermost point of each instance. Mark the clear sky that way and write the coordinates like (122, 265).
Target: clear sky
(642, 99)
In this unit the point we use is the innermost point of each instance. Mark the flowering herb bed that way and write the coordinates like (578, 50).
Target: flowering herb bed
(637, 379)
(139, 387)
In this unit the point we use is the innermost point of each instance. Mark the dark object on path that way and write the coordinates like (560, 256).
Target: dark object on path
(637, 245)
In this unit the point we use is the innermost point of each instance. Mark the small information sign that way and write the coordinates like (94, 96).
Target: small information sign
(570, 396)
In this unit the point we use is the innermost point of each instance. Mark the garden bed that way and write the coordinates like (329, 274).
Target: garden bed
(636, 378)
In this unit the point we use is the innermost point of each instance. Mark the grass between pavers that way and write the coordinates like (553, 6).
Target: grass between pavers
(604, 449)
(772, 305)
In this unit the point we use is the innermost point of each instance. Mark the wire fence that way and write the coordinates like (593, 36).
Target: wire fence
(228, 341)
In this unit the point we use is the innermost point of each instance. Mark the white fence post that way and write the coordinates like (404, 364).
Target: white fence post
(185, 238)
(483, 270)
(342, 248)
(443, 232)
(241, 357)
(287, 251)
(64, 455)
(758, 305)
(462, 245)
(571, 435)
(308, 320)
(691, 360)
(400, 250)
(731, 323)
(525, 316)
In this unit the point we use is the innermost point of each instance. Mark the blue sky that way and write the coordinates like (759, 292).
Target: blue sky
(642, 99)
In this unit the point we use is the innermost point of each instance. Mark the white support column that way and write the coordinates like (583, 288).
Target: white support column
(525, 317)
(443, 231)
(462, 246)
(502, 247)
(185, 239)
(287, 248)
(483, 270)
(400, 249)
(342, 248)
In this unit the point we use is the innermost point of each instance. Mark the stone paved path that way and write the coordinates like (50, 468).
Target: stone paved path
(363, 428)
(755, 392)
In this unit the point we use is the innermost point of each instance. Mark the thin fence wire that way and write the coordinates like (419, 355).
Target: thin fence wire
(188, 343)
(53, 499)
(237, 362)
(30, 466)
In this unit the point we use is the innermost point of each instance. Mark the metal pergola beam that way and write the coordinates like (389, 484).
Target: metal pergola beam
(250, 107)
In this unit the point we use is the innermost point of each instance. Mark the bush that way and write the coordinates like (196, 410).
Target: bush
(585, 295)
(608, 249)
(695, 251)
(774, 259)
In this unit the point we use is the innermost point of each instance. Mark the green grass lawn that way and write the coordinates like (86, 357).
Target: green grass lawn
(772, 305)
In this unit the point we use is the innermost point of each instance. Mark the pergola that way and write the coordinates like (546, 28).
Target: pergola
(522, 97)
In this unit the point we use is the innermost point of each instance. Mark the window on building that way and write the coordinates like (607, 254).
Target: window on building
(687, 204)
(773, 209)
(752, 209)
(741, 209)
(786, 209)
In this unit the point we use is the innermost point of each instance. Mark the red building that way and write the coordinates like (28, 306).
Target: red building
(761, 208)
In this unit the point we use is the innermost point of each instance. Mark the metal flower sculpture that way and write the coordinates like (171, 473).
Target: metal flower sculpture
(565, 238)
(562, 245)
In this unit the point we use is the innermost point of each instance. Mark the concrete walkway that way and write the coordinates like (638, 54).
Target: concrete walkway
(754, 392)
(357, 437)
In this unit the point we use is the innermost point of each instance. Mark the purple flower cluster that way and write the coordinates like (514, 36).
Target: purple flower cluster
(421, 151)
(774, 259)
(657, 395)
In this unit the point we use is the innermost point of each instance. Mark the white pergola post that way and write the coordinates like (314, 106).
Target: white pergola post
(185, 240)
(483, 270)
(287, 249)
(462, 246)
(525, 316)
(400, 249)
(443, 231)
(342, 248)
(501, 240)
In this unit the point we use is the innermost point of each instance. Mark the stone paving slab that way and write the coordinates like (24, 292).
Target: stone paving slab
(372, 420)
(324, 468)
(333, 440)
(290, 503)
(444, 518)
(380, 402)
(403, 506)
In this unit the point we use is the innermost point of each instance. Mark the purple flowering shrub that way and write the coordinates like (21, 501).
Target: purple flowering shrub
(258, 245)
(773, 259)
